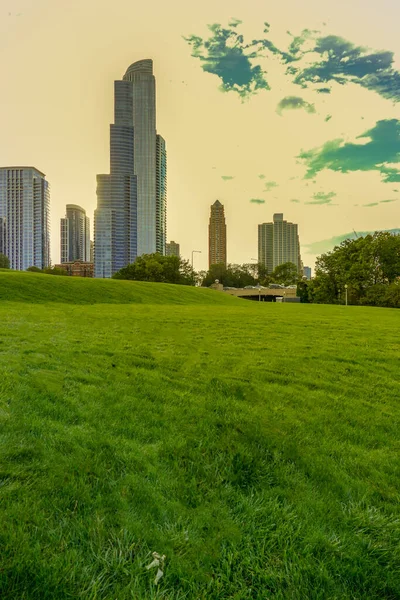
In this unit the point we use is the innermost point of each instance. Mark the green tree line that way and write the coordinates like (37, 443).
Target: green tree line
(369, 266)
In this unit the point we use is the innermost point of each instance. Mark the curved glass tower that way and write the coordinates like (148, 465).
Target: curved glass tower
(130, 219)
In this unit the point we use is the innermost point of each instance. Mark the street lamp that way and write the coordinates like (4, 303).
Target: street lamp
(345, 287)
(193, 251)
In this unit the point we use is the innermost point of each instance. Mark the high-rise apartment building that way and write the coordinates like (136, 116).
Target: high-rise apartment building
(130, 219)
(173, 249)
(217, 235)
(25, 217)
(2, 234)
(278, 243)
(307, 272)
(161, 195)
(75, 235)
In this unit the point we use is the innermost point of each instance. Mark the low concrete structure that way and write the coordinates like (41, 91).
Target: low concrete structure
(265, 294)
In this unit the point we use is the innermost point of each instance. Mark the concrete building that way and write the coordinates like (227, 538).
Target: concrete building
(173, 249)
(217, 235)
(278, 243)
(2, 235)
(25, 217)
(307, 272)
(161, 195)
(75, 235)
(130, 219)
(78, 268)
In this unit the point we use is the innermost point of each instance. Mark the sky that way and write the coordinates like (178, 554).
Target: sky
(289, 107)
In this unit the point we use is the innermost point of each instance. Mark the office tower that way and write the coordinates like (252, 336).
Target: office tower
(131, 201)
(75, 235)
(25, 217)
(91, 255)
(173, 249)
(217, 235)
(278, 243)
(307, 272)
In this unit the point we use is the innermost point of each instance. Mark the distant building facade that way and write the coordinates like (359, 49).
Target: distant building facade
(25, 217)
(173, 249)
(217, 235)
(130, 219)
(307, 272)
(75, 235)
(278, 243)
(78, 268)
(2, 235)
(161, 195)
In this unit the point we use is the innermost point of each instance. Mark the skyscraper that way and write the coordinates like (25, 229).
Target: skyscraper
(173, 249)
(278, 243)
(217, 235)
(75, 235)
(2, 234)
(25, 217)
(130, 219)
(161, 195)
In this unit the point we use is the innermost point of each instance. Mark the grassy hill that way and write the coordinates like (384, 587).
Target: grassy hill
(255, 445)
(39, 288)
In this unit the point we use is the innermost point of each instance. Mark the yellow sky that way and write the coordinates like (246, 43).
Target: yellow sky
(59, 60)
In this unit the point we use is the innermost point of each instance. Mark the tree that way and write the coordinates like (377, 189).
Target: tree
(55, 271)
(229, 275)
(285, 274)
(158, 268)
(361, 264)
(34, 270)
(4, 261)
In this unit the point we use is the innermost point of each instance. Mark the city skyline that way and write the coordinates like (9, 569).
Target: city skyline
(260, 152)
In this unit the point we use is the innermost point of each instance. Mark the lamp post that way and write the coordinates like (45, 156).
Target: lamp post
(193, 251)
(345, 287)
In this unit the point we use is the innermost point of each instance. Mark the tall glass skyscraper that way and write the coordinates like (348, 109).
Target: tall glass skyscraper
(25, 217)
(75, 235)
(130, 218)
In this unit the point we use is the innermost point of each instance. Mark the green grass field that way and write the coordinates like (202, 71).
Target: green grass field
(255, 445)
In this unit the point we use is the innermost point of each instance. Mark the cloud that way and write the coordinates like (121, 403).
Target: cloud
(225, 55)
(395, 190)
(328, 118)
(261, 176)
(270, 185)
(333, 60)
(391, 200)
(329, 244)
(322, 198)
(294, 103)
(371, 204)
(257, 201)
(381, 149)
(295, 200)
(227, 177)
(342, 62)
